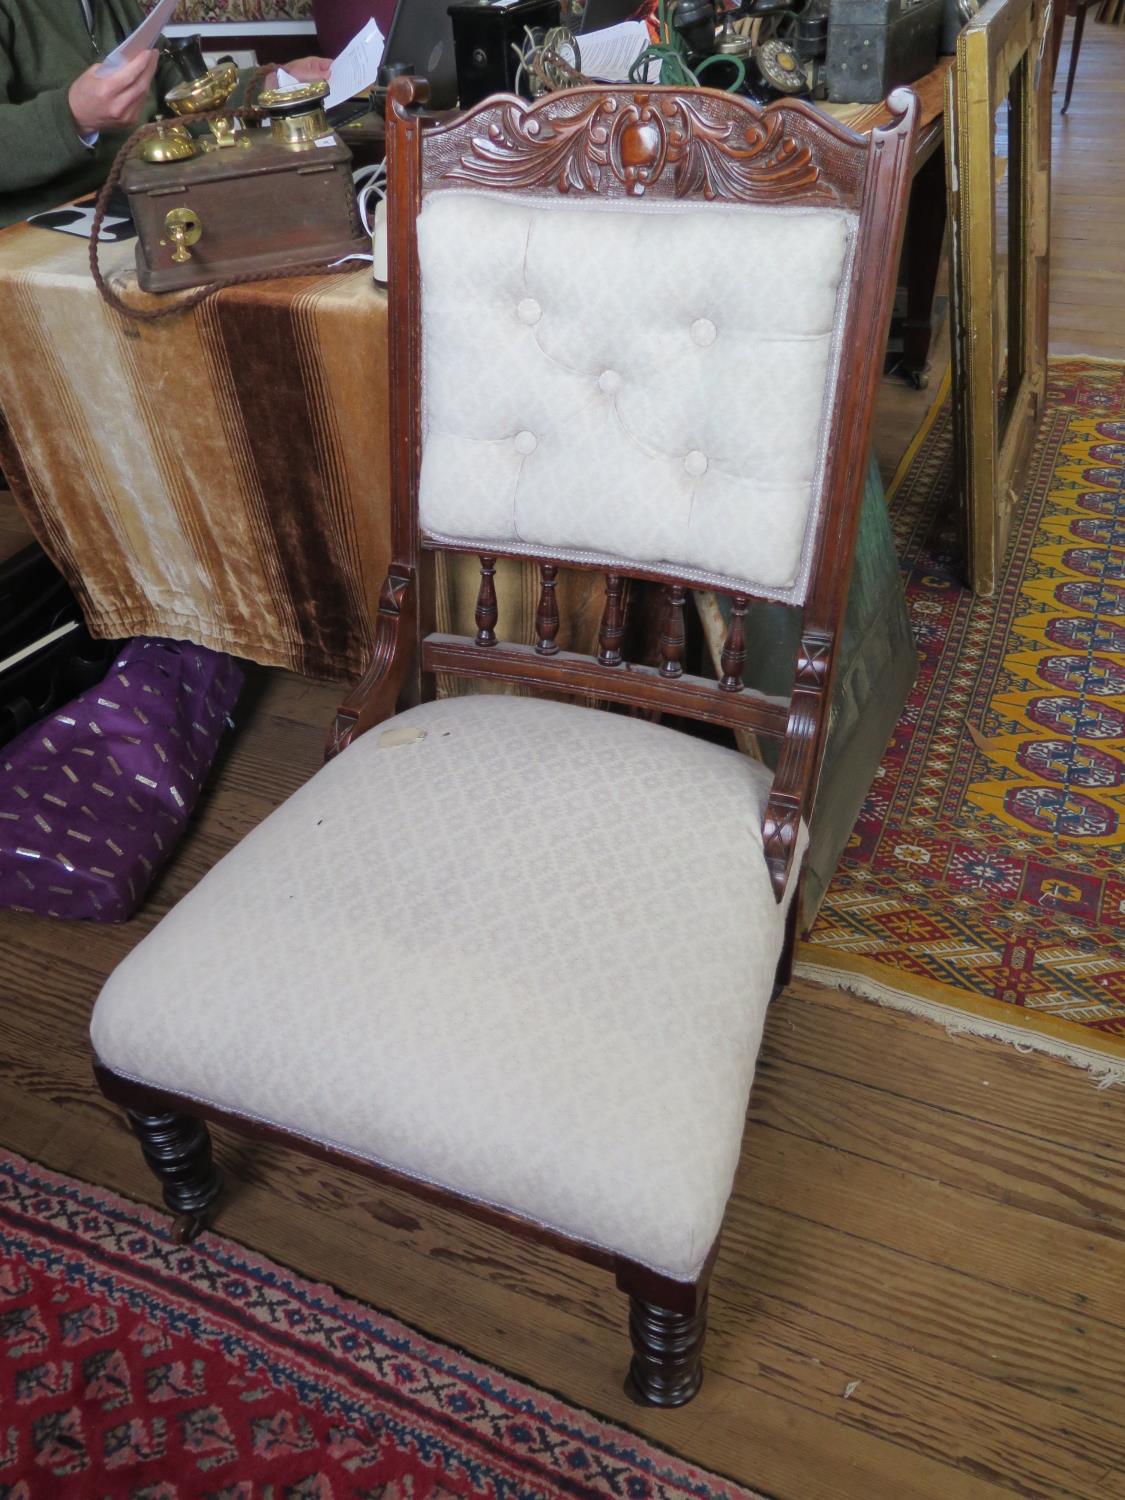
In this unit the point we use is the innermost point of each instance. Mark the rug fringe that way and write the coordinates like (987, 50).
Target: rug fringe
(1105, 1070)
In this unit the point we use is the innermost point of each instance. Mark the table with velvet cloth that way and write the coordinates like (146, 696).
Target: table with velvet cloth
(220, 476)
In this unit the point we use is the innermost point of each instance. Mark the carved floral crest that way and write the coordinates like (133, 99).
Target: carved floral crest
(717, 148)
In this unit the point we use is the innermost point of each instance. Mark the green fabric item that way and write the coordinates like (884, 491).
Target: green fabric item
(875, 673)
(44, 46)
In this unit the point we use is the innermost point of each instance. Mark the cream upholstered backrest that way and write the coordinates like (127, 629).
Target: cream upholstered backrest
(630, 382)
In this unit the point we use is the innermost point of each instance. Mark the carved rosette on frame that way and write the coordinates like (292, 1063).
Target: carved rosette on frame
(629, 144)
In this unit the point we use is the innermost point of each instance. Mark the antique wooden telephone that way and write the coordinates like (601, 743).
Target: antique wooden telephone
(218, 198)
(770, 68)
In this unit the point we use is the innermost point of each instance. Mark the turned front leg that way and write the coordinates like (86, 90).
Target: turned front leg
(667, 1367)
(178, 1149)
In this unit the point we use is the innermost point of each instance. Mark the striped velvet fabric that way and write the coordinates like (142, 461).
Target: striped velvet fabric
(219, 477)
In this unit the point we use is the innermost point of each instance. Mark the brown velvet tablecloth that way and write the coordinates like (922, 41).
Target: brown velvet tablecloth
(219, 476)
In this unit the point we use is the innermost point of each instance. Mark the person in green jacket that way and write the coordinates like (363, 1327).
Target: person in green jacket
(61, 120)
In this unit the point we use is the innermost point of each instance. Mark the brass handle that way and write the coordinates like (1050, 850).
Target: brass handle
(184, 229)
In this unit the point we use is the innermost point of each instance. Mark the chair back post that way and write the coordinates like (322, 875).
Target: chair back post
(879, 240)
(393, 675)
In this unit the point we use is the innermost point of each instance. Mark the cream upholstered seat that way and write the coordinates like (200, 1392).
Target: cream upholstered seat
(501, 996)
(513, 952)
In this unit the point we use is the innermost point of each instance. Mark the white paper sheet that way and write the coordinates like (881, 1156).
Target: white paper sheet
(609, 54)
(143, 38)
(357, 67)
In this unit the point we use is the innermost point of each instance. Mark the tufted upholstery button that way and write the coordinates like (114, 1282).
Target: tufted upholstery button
(528, 311)
(703, 332)
(695, 463)
(609, 381)
(526, 442)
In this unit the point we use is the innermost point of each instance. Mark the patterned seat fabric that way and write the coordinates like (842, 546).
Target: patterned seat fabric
(659, 378)
(470, 949)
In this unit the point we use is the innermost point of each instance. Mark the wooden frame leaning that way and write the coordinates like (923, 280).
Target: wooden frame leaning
(998, 265)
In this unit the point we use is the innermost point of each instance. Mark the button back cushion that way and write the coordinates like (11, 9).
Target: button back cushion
(476, 947)
(644, 386)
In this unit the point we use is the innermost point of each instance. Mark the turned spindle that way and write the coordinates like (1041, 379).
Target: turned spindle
(612, 630)
(547, 615)
(733, 659)
(672, 637)
(486, 610)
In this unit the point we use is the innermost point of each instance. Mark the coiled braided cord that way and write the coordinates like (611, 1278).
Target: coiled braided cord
(674, 70)
(193, 298)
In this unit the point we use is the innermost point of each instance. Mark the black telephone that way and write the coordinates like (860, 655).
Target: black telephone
(771, 68)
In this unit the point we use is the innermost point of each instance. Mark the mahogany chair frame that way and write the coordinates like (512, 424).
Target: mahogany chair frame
(621, 141)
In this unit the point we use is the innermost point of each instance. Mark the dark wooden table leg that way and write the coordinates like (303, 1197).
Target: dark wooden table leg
(1058, 26)
(925, 230)
(1075, 44)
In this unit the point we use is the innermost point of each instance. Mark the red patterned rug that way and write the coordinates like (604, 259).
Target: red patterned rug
(135, 1369)
(984, 882)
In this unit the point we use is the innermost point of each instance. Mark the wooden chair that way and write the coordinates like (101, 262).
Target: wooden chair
(509, 952)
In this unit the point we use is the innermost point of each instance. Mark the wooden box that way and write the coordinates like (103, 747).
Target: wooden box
(874, 45)
(261, 207)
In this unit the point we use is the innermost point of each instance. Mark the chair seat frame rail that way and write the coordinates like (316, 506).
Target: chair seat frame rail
(621, 141)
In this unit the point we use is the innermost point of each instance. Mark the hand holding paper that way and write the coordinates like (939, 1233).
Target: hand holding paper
(357, 67)
(113, 100)
(143, 39)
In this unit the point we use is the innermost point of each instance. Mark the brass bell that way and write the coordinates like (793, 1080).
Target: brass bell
(170, 143)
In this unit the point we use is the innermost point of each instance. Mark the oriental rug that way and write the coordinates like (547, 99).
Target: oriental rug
(983, 883)
(132, 1368)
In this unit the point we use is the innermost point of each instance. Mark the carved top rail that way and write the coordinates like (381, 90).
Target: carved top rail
(659, 143)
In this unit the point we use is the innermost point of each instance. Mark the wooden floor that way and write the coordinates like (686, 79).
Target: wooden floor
(1088, 199)
(920, 1291)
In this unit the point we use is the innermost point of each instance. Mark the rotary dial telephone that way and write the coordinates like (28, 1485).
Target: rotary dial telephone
(772, 66)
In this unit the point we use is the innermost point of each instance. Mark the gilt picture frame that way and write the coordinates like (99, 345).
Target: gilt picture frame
(998, 150)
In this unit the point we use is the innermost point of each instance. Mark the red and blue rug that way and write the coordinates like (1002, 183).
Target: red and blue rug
(984, 882)
(132, 1368)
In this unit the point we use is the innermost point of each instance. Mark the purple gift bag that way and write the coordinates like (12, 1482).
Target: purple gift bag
(94, 799)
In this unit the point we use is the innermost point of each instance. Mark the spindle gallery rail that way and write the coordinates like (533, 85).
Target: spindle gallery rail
(666, 688)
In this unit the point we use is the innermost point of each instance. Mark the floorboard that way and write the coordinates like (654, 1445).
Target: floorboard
(919, 1291)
